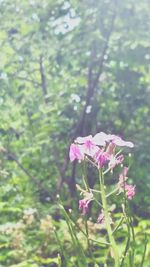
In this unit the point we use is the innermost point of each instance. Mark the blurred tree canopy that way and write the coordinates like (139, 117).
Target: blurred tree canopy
(68, 69)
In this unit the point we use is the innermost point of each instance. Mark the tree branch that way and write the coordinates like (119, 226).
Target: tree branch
(28, 80)
(99, 72)
(43, 79)
(92, 84)
(13, 157)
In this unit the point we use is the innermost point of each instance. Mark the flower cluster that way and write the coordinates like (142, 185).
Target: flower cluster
(101, 150)
(123, 186)
(84, 203)
(104, 152)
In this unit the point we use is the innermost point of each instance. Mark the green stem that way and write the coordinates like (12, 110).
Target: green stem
(107, 220)
(88, 241)
(87, 235)
(125, 251)
(84, 177)
(144, 253)
(100, 242)
(112, 192)
(61, 247)
(120, 223)
(133, 238)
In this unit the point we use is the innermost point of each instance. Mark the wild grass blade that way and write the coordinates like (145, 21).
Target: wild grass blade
(81, 258)
(144, 252)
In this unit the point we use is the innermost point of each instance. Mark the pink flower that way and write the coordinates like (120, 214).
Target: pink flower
(114, 161)
(84, 205)
(101, 218)
(88, 145)
(76, 152)
(99, 139)
(130, 191)
(101, 157)
(122, 185)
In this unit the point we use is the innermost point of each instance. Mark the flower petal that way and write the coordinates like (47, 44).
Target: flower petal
(76, 152)
(120, 142)
(100, 139)
(82, 140)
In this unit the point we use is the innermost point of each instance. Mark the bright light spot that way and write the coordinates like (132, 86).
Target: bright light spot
(35, 17)
(88, 109)
(147, 56)
(66, 23)
(3, 76)
(75, 108)
(75, 97)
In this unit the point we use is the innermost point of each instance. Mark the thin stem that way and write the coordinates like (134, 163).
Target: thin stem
(146, 241)
(120, 222)
(118, 152)
(133, 237)
(98, 202)
(105, 172)
(76, 244)
(112, 192)
(76, 224)
(100, 242)
(92, 162)
(87, 234)
(61, 246)
(84, 176)
(88, 241)
(125, 251)
(129, 234)
(107, 219)
(97, 191)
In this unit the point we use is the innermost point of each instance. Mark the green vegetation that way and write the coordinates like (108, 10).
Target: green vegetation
(68, 69)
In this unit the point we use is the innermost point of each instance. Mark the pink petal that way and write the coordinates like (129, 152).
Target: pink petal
(130, 191)
(76, 152)
(82, 140)
(101, 157)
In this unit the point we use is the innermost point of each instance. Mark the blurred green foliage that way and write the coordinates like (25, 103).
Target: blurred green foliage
(67, 68)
